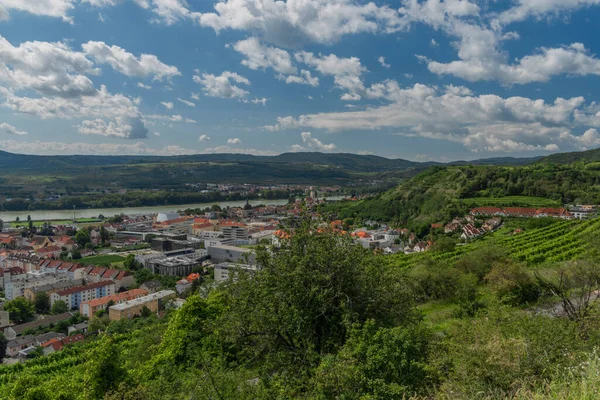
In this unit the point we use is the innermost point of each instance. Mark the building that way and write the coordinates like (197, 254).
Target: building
(82, 327)
(17, 330)
(163, 217)
(46, 337)
(151, 286)
(30, 293)
(181, 265)
(15, 345)
(76, 295)
(4, 319)
(132, 308)
(91, 307)
(15, 284)
(222, 253)
(222, 270)
(235, 233)
(57, 344)
(583, 212)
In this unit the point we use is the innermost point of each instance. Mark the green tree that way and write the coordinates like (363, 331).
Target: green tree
(513, 284)
(104, 370)
(20, 310)
(130, 263)
(306, 297)
(145, 312)
(82, 237)
(1, 225)
(42, 303)
(3, 344)
(59, 307)
(104, 235)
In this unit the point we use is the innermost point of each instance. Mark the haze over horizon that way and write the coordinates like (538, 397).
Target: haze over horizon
(417, 80)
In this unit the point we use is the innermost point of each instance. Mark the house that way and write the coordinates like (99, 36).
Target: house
(492, 224)
(487, 211)
(82, 327)
(43, 338)
(17, 344)
(451, 227)
(151, 286)
(520, 212)
(90, 307)
(14, 331)
(55, 345)
(4, 319)
(554, 212)
(132, 308)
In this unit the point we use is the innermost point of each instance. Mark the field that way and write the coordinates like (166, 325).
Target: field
(561, 241)
(510, 201)
(15, 224)
(101, 260)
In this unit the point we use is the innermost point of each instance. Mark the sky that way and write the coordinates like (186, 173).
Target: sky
(414, 79)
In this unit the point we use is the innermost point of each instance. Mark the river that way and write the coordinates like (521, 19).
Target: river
(47, 215)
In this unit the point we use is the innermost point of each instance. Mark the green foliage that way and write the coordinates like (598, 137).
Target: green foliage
(3, 343)
(59, 307)
(82, 237)
(377, 363)
(20, 310)
(104, 371)
(42, 303)
(513, 284)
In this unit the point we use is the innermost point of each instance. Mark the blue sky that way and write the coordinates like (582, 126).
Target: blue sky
(415, 79)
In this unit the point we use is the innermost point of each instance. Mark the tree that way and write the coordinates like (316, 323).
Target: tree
(104, 235)
(513, 284)
(306, 297)
(20, 310)
(145, 312)
(82, 237)
(444, 244)
(130, 263)
(3, 343)
(104, 371)
(1, 225)
(42, 303)
(59, 307)
(76, 254)
(17, 220)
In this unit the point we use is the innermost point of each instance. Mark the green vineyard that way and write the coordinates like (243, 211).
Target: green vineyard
(561, 241)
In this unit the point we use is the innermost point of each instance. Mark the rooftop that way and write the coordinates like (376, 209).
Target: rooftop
(142, 300)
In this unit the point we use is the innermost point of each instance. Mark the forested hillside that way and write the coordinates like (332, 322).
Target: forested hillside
(441, 193)
(326, 319)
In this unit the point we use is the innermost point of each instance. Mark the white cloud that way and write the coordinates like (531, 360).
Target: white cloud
(256, 100)
(128, 64)
(315, 143)
(346, 71)
(168, 105)
(295, 148)
(260, 56)
(195, 96)
(381, 61)
(484, 122)
(293, 22)
(541, 8)
(61, 148)
(121, 127)
(190, 121)
(204, 138)
(408, 76)
(144, 86)
(234, 141)
(11, 130)
(490, 64)
(186, 102)
(223, 85)
(305, 78)
(50, 68)
(47, 8)
(434, 43)
(228, 149)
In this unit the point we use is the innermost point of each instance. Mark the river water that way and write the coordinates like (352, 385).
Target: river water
(46, 215)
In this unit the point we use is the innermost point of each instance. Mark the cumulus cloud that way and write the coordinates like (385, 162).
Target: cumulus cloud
(11, 130)
(168, 105)
(539, 9)
(305, 78)
(61, 148)
(381, 61)
(50, 68)
(47, 8)
(204, 138)
(260, 56)
(223, 86)
(291, 23)
(187, 102)
(234, 141)
(316, 144)
(144, 86)
(481, 123)
(295, 148)
(128, 64)
(121, 127)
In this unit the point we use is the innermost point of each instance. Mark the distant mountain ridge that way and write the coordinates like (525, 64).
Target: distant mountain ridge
(339, 160)
(587, 156)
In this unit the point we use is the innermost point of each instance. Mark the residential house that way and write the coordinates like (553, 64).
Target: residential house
(55, 345)
(151, 286)
(90, 307)
(74, 296)
(132, 308)
(17, 330)
(15, 345)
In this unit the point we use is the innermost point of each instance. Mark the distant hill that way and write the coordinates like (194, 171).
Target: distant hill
(352, 162)
(576, 156)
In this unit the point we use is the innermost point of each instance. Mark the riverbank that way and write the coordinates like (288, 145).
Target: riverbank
(60, 215)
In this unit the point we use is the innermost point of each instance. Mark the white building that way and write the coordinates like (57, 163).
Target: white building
(222, 271)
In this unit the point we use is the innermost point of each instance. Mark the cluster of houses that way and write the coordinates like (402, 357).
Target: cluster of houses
(469, 228)
(575, 212)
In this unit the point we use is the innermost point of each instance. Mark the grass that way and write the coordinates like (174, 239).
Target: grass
(101, 260)
(511, 201)
(15, 224)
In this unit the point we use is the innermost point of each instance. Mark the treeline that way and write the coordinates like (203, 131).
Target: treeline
(435, 195)
(325, 319)
(138, 198)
